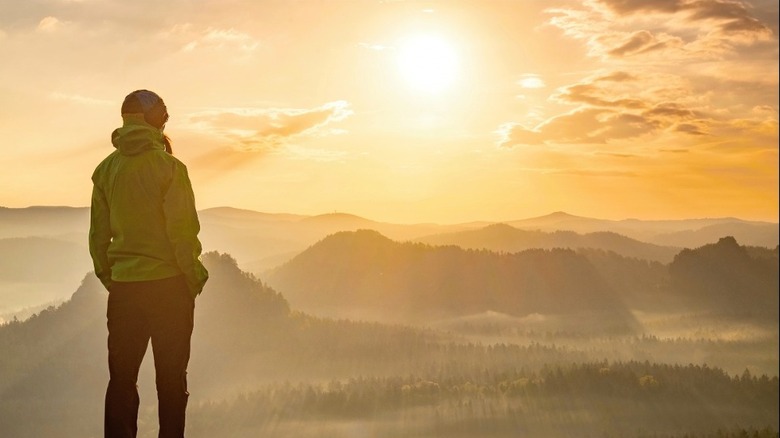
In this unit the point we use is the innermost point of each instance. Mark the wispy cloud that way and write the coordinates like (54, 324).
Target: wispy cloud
(667, 29)
(192, 38)
(727, 17)
(615, 106)
(674, 64)
(586, 172)
(643, 41)
(581, 126)
(263, 129)
(77, 98)
(49, 24)
(530, 80)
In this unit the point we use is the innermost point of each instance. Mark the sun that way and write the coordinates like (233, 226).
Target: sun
(428, 63)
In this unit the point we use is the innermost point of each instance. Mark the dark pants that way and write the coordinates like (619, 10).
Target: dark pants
(160, 310)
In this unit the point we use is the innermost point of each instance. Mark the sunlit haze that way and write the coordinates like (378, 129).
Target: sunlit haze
(407, 111)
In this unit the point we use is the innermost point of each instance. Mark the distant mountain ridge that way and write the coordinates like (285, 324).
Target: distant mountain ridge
(676, 232)
(506, 238)
(56, 221)
(262, 241)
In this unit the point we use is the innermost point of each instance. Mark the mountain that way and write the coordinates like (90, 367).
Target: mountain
(683, 233)
(43, 221)
(727, 277)
(53, 368)
(506, 238)
(364, 274)
(263, 241)
(259, 368)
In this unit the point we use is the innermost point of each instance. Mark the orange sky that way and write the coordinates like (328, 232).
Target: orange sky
(407, 111)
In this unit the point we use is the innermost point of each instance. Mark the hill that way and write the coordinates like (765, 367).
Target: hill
(53, 368)
(259, 368)
(43, 221)
(263, 241)
(727, 277)
(364, 274)
(506, 238)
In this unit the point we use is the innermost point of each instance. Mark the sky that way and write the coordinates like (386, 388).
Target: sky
(407, 111)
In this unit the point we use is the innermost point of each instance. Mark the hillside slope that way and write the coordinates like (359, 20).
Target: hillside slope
(727, 277)
(53, 366)
(365, 273)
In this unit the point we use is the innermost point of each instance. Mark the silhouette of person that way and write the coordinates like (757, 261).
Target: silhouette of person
(145, 250)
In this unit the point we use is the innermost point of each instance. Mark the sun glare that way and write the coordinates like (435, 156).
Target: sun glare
(427, 63)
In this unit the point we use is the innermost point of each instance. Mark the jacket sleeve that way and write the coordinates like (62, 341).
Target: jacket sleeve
(182, 227)
(100, 236)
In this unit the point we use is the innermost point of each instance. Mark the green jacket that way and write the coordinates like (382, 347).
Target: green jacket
(143, 222)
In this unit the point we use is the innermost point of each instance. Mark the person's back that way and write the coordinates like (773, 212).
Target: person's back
(144, 246)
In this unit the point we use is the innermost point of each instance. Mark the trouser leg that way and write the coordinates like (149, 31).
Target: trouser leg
(128, 337)
(171, 333)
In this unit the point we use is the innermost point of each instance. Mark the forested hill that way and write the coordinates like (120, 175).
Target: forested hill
(261, 368)
(374, 276)
(53, 366)
(728, 277)
(505, 238)
(364, 274)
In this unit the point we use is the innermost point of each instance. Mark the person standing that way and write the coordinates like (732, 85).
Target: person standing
(143, 240)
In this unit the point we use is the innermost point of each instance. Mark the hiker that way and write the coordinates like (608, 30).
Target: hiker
(143, 239)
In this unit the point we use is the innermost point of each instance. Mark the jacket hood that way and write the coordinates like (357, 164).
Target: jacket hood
(136, 136)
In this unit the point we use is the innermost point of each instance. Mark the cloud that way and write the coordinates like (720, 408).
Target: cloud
(765, 110)
(617, 106)
(665, 30)
(530, 80)
(213, 38)
(586, 172)
(729, 16)
(618, 76)
(690, 128)
(619, 89)
(77, 98)
(49, 24)
(617, 154)
(270, 128)
(670, 110)
(581, 126)
(641, 42)
(592, 94)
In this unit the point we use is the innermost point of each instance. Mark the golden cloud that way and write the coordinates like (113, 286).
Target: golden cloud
(270, 128)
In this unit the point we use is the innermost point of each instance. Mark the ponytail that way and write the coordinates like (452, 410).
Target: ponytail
(167, 143)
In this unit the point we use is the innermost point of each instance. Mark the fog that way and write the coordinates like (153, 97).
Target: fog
(361, 334)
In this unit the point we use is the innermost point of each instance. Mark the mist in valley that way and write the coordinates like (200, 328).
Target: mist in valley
(337, 326)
